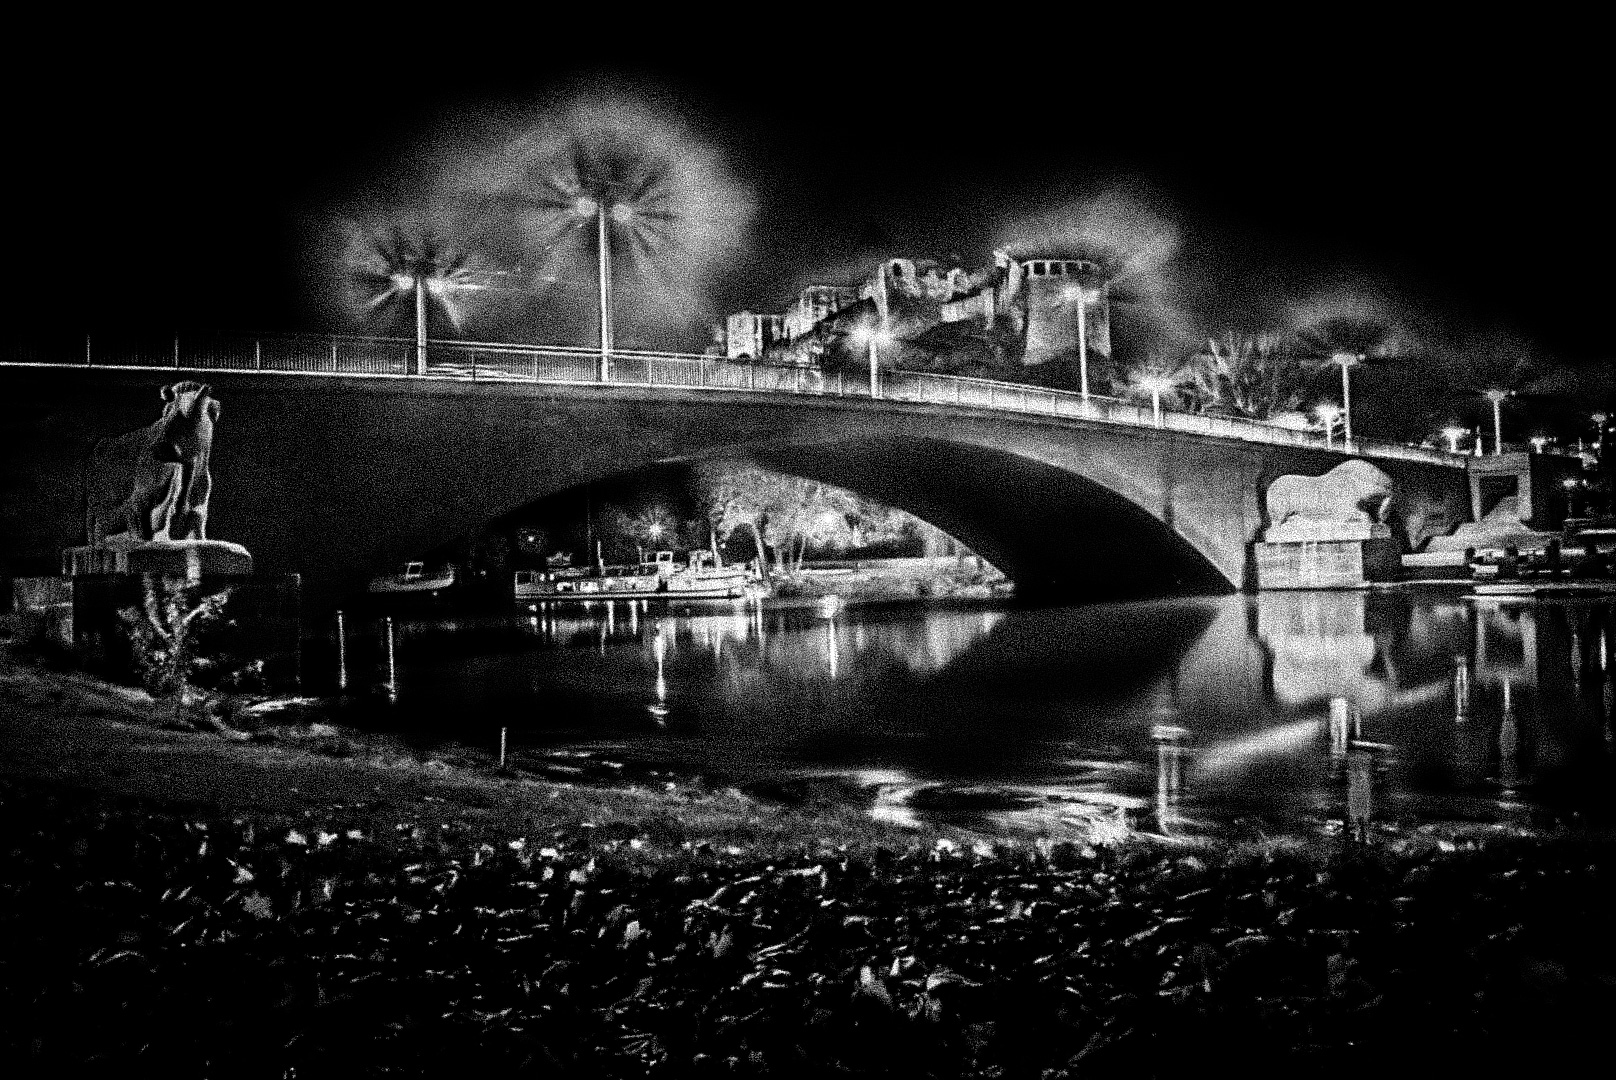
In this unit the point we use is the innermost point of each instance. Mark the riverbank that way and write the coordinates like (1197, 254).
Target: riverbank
(306, 898)
(895, 579)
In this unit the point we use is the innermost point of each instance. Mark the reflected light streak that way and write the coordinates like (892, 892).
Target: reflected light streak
(1234, 754)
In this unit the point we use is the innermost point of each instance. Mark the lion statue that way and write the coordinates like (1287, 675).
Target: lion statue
(153, 484)
(1351, 501)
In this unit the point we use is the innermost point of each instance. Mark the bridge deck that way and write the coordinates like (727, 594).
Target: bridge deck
(397, 358)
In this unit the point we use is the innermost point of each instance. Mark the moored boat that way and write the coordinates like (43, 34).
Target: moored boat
(663, 578)
(415, 578)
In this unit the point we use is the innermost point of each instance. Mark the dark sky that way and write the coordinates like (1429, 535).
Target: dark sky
(153, 189)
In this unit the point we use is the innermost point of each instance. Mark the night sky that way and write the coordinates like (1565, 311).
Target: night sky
(153, 189)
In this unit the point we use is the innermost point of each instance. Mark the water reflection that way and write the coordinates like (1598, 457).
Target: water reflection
(1171, 717)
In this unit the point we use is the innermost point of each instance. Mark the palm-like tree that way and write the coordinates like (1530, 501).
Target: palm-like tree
(1346, 334)
(1254, 375)
(621, 178)
(1500, 367)
(394, 265)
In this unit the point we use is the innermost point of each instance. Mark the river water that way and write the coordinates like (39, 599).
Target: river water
(1178, 717)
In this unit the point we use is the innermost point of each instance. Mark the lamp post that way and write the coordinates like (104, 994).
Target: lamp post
(1328, 415)
(1083, 342)
(872, 337)
(1156, 384)
(1497, 398)
(619, 212)
(1346, 360)
(1453, 435)
(420, 325)
(416, 281)
(1539, 442)
(875, 370)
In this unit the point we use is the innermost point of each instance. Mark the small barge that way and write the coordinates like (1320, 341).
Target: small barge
(700, 578)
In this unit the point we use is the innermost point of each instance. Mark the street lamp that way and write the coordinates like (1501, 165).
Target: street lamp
(1083, 296)
(1328, 414)
(1453, 435)
(1497, 398)
(1156, 385)
(872, 338)
(420, 282)
(621, 213)
(1346, 360)
(1539, 442)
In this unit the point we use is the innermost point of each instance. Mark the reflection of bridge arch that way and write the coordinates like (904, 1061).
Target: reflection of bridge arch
(335, 477)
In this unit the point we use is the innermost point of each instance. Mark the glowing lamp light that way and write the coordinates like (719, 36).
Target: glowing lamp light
(1156, 386)
(1453, 435)
(585, 206)
(865, 336)
(622, 213)
(1539, 442)
(403, 281)
(656, 531)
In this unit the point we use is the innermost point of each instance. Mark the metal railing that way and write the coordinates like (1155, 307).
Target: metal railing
(386, 357)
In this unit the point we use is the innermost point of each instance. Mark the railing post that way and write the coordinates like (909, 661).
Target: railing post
(535, 367)
(258, 355)
(88, 362)
(751, 376)
(333, 354)
(474, 365)
(841, 384)
(176, 352)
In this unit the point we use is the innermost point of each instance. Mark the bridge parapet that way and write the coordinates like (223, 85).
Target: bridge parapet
(394, 358)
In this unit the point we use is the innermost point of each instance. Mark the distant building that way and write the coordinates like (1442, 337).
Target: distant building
(746, 335)
(1062, 295)
(816, 304)
(1045, 300)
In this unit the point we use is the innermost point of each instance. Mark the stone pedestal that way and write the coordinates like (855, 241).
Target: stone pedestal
(189, 559)
(1326, 564)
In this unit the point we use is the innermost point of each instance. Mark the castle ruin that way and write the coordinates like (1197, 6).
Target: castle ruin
(1046, 304)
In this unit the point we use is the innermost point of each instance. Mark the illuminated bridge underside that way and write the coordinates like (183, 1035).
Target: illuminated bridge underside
(336, 478)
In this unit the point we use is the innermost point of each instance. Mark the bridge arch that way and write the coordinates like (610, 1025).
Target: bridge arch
(1053, 531)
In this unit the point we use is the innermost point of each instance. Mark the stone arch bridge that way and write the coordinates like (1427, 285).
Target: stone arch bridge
(341, 476)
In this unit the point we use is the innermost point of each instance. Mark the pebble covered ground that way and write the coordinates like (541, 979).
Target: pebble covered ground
(416, 931)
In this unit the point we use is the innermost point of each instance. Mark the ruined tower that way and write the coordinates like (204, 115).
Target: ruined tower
(1062, 298)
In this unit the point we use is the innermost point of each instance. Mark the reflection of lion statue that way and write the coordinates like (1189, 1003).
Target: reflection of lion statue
(1352, 497)
(153, 484)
